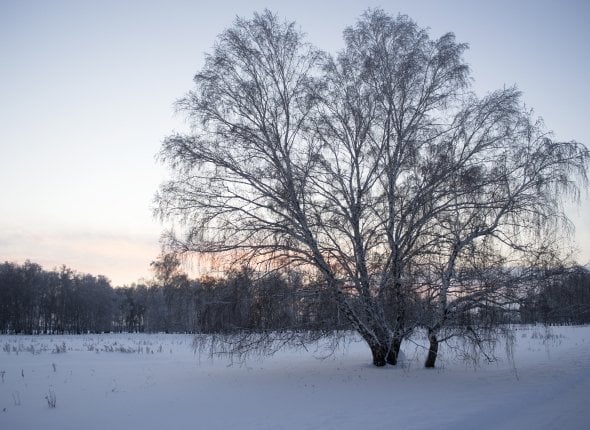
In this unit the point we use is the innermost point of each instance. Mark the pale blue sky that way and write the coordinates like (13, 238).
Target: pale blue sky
(87, 88)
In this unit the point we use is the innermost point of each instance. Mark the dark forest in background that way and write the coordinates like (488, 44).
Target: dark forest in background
(36, 301)
(33, 300)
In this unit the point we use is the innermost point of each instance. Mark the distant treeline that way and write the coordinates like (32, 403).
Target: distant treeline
(563, 298)
(36, 301)
(33, 300)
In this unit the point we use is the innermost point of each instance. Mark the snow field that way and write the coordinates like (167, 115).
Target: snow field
(142, 381)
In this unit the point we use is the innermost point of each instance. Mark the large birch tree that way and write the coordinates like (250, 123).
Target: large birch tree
(377, 168)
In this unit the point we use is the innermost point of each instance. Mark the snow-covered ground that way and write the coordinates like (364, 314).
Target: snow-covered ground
(134, 381)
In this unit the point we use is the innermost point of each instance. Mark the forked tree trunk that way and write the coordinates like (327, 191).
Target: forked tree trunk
(383, 353)
(379, 352)
(432, 351)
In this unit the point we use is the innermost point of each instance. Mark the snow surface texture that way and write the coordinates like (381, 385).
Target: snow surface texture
(146, 382)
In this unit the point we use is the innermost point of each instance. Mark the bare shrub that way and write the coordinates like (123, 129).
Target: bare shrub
(51, 398)
(60, 348)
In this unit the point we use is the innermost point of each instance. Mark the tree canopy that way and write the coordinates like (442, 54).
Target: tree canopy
(377, 168)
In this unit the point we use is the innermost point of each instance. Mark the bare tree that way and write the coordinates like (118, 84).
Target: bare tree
(373, 168)
(500, 203)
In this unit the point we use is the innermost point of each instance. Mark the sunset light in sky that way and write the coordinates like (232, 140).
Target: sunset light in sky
(87, 91)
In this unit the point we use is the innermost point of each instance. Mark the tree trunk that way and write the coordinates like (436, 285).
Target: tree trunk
(432, 351)
(393, 353)
(379, 352)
